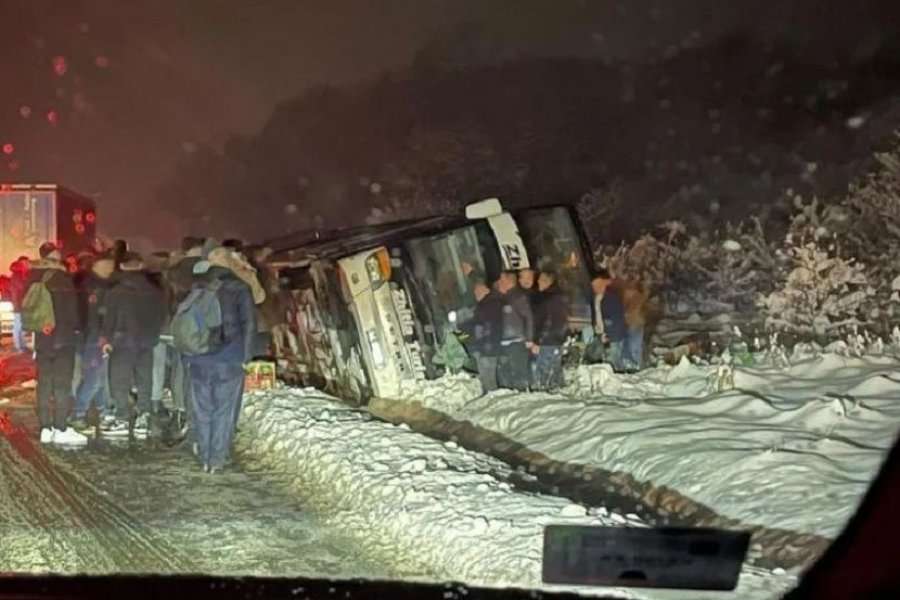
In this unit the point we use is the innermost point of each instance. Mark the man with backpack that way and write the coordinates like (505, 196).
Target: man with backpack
(214, 328)
(50, 310)
(178, 280)
(135, 311)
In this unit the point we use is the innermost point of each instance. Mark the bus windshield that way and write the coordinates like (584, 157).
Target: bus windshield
(553, 243)
(447, 265)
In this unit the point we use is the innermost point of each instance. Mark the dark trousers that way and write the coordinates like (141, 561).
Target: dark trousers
(548, 371)
(56, 368)
(94, 384)
(216, 392)
(487, 372)
(131, 367)
(181, 391)
(513, 371)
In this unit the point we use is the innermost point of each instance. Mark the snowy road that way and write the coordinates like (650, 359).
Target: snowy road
(139, 509)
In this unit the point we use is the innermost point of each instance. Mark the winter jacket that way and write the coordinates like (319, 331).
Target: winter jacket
(135, 311)
(486, 325)
(67, 332)
(238, 318)
(534, 296)
(612, 313)
(551, 317)
(92, 300)
(634, 300)
(18, 284)
(223, 257)
(518, 320)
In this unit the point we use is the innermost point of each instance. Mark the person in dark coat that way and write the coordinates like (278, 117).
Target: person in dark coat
(609, 318)
(517, 334)
(552, 326)
(180, 276)
(55, 348)
(18, 281)
(217, 379)
(178, 280)
(135, 313)
(485, 329)
(528, 285)
(94, 385)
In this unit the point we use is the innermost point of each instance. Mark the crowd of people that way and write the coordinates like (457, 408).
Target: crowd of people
(521, 323)
(117, 331)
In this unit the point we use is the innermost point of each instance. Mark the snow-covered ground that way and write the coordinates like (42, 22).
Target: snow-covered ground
(792, 448)
(414, 500)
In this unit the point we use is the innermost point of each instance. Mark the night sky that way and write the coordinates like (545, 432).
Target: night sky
(105, 95)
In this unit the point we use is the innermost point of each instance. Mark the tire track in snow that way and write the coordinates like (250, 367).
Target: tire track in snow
(55, 499)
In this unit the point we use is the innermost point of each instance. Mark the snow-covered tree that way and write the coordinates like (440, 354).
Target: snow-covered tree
(821, 294)
(873, 235)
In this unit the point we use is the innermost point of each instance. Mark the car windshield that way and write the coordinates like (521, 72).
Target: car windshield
(591, 297)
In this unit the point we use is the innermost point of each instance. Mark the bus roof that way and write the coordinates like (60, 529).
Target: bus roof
(338, 243)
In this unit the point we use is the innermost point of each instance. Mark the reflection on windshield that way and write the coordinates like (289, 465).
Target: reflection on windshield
(553, 243)
(447, 265)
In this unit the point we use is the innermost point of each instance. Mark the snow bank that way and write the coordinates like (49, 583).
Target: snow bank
(452, 392)
(793, 449)
(414, 500)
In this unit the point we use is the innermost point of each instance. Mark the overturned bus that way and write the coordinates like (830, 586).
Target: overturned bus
(370, 306)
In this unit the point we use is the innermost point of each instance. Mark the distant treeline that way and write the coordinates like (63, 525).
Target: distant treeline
(710, 134)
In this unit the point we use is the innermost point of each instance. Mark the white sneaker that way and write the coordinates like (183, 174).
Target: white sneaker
(47, 435)
(69, 437)
(115, 427)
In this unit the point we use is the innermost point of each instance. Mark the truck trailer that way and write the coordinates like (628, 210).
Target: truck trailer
(31, 214)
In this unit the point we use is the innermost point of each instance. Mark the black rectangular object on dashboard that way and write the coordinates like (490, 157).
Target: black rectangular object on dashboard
(671, 557)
